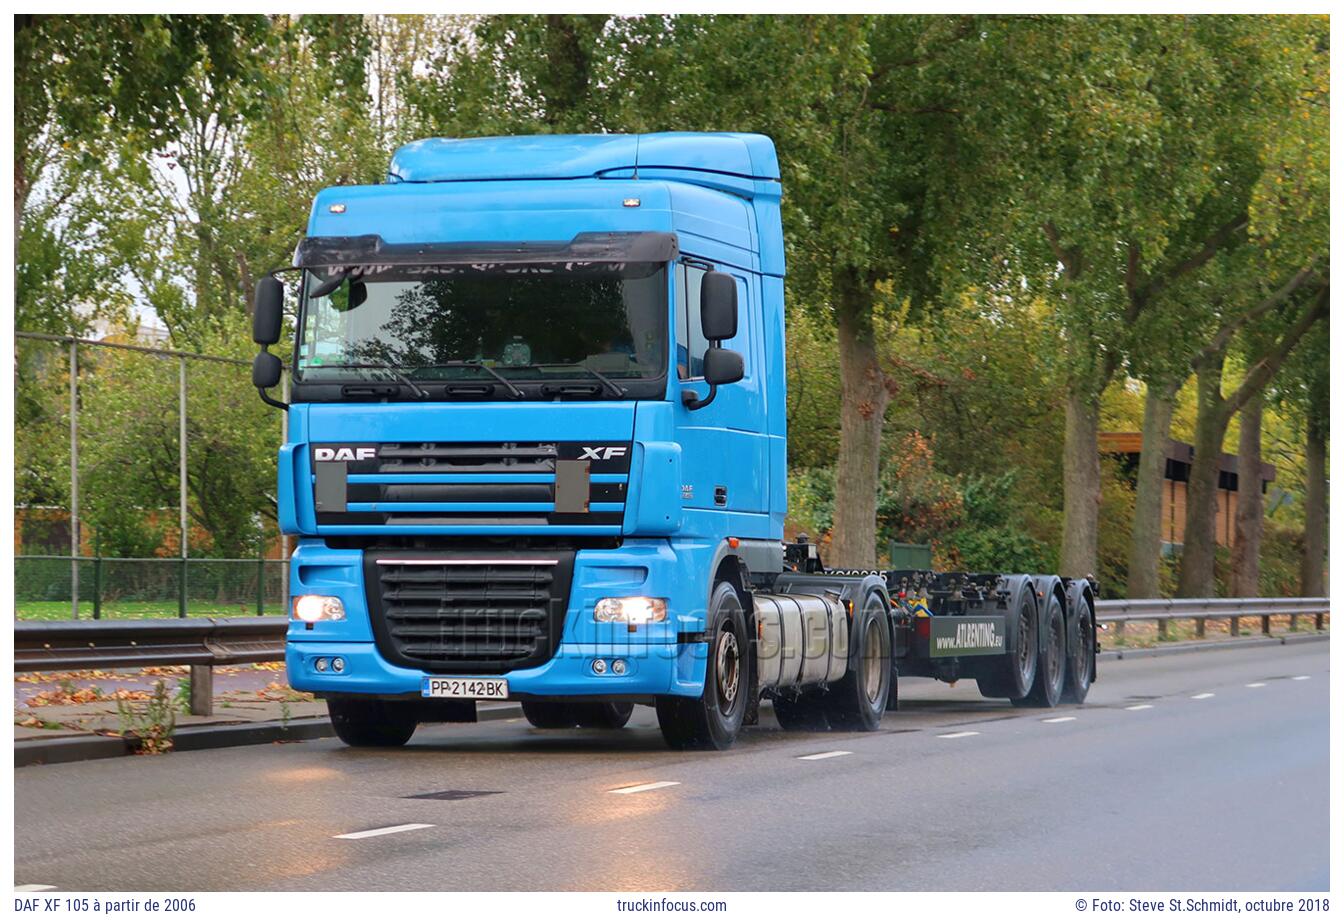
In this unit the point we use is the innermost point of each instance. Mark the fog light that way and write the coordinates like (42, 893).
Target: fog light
(618, 667)
(319, 664)
(313, 607)
(599, 666)
(631, 610)
(338, 665)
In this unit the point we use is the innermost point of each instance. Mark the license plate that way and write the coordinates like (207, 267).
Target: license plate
(465, 688)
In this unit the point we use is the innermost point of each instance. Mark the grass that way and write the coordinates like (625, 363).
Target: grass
(138, 610)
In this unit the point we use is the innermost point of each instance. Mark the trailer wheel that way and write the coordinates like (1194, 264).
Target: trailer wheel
(545, 714)
(602, 715)
(712, 720)
(1052, 663)
(857, 701)
(801, 713)
(1014, 675)
(1082, 665)
(371, 723)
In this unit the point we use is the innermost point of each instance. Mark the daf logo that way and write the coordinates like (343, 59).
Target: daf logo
(601, 453)
(348, 454)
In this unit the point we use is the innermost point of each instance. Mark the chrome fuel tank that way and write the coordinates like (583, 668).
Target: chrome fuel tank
(800, 639)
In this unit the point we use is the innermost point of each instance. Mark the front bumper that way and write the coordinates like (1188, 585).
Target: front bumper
(660, 658)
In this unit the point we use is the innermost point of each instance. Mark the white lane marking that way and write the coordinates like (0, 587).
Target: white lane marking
(34, 887)
(1059, 719)
(1139, 706)
(1201, 696)
(1256, 684)
(643, 787)
(1302, 677)
(959, 735)
(380, 831)
(824, 755)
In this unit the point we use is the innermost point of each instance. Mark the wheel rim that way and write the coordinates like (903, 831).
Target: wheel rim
(872, 661)
(1082, 662)
(727, 659)
(1026, 647)
(1054, 664)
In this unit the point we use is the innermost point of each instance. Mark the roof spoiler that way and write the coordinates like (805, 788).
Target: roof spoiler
(347, 251)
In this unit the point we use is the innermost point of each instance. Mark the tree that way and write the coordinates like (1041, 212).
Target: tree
(75, 74)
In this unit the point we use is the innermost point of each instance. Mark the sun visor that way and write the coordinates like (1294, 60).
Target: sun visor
(372, 252)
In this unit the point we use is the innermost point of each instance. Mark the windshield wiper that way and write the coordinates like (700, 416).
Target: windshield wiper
(508, 384)
(615, 388)
(419, 393)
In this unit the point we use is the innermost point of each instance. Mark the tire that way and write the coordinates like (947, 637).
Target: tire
(544, 714)
(712, 720)
(602, 715)
(801, 713)
(856, 702)
(1082, 664)
(371, 723)
(1053, 660)
(1015, 675)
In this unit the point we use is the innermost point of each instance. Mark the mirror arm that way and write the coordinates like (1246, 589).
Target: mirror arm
(270, 400)
(693, 402)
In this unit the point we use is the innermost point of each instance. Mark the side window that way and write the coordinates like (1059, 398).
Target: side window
(691, 342)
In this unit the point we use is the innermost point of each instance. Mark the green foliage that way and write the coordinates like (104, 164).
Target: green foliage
(153, 724)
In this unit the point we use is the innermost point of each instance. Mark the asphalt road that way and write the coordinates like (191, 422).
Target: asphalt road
(1220, 784)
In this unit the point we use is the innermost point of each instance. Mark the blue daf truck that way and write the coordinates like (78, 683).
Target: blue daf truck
(536, 452)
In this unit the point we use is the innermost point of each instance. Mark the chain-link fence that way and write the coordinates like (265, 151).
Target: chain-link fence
(115, 588)
(142, 475)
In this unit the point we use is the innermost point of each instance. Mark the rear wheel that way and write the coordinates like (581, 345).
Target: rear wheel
(1049, 683)
(712, 720)
(602, 715)
(801, 713)
(371, 723)
(1015, 673)
(1082, 662)
(857, 701)
(543, 714)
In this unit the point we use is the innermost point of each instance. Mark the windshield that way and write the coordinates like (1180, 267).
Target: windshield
(535, 323)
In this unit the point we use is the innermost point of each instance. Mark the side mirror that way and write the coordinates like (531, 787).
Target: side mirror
(718, 306)
(269, 311)
(266, 369)
(722, 365)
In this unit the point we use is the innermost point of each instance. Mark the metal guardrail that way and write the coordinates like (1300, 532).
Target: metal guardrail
(206, 642)
(201, 643)
(1200, 609)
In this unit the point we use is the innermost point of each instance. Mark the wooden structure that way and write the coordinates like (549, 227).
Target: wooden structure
(1126, 445)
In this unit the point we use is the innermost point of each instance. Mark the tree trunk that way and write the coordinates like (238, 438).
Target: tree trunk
(1250, 505)
(864, 397)
(1082, 485)
(1145, 543)
(1313, 556)
(1201, 499)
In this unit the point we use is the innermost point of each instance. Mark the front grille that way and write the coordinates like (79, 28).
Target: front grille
(467, 612)
(471, 484)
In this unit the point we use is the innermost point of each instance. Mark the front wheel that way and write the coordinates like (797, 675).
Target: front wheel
(602, 715)
(371, 723)
(546, 714)
(712, 720)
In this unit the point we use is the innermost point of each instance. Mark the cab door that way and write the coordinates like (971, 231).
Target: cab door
(724, 448)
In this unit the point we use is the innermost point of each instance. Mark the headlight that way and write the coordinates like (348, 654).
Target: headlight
(313, 607)
(631, 610)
